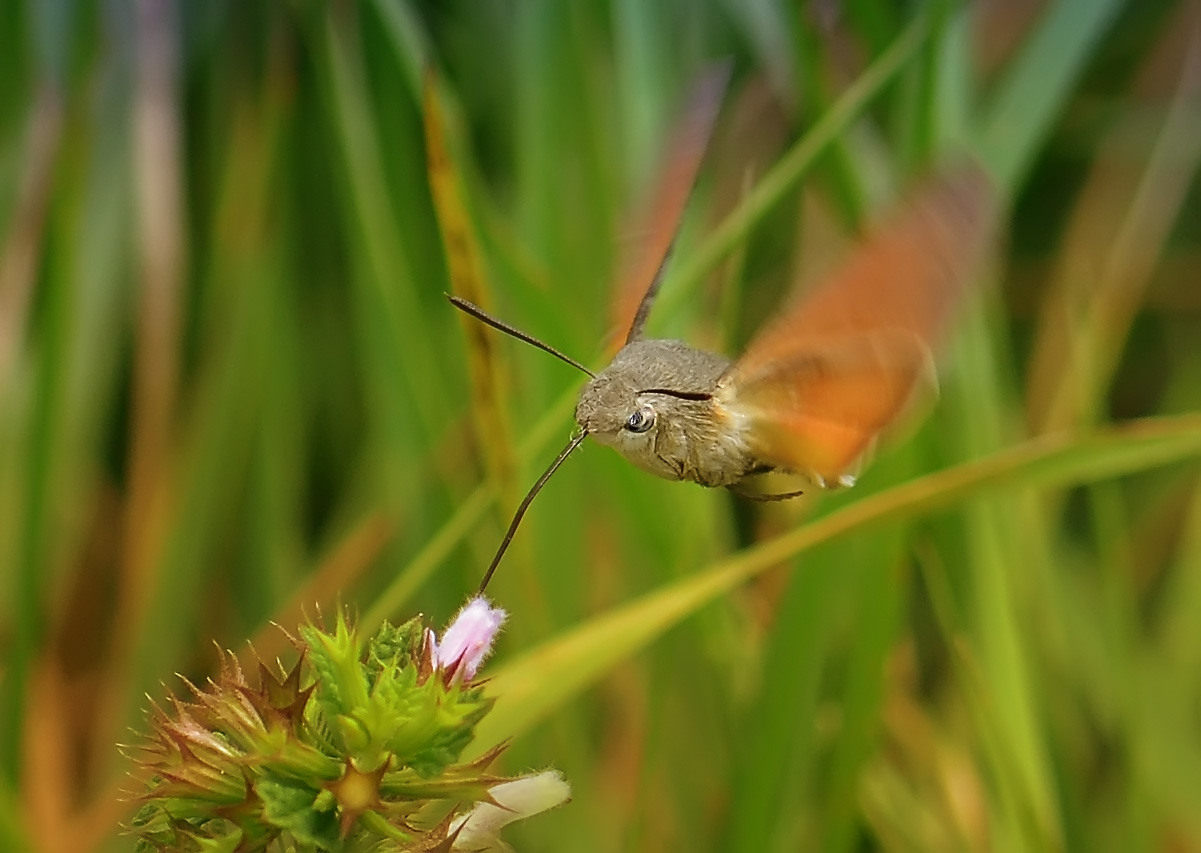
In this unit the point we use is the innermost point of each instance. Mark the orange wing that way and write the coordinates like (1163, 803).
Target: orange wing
(650, 244)
(820, 382)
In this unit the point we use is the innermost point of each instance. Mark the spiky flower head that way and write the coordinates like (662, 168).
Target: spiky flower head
(356, 747)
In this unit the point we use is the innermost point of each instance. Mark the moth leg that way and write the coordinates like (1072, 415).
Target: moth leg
(676, 465)
(752, 496)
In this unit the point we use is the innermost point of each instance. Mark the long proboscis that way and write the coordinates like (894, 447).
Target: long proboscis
(501, 326)
(525, 504)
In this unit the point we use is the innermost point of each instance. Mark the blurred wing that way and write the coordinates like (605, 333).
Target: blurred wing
(822, 380)
(820, 412)
(650, 244)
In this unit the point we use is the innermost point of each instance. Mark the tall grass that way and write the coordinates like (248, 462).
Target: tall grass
(231, 391)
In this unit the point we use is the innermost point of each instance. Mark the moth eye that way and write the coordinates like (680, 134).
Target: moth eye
(641, 420)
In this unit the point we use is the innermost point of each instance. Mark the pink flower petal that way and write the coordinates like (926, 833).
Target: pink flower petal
(468, 639)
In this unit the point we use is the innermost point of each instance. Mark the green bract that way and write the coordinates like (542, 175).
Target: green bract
(353, 748)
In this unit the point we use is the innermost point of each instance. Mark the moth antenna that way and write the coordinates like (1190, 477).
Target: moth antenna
(484, 317)
(525, 504)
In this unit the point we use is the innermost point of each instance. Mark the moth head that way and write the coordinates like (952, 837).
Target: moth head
(609, 403)
(652, 386)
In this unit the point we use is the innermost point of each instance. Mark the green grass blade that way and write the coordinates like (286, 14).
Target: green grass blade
(1037, 82)
(544, 679)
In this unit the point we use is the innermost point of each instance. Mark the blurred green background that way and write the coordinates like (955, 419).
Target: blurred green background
(231, 391)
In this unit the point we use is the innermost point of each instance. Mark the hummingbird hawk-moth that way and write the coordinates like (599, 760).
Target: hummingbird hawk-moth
(818, 383)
